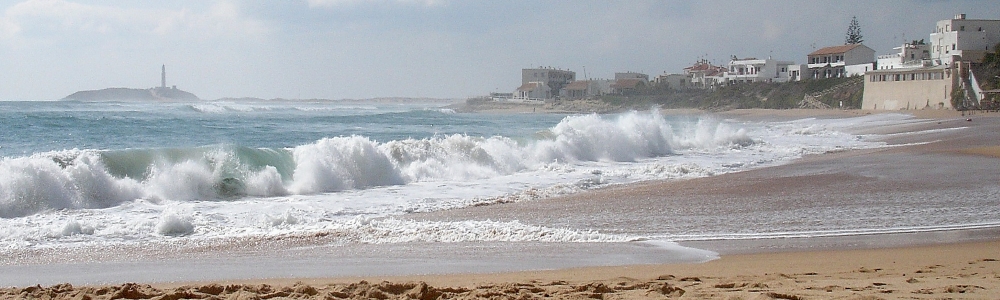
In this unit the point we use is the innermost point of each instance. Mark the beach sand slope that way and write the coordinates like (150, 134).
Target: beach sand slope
(956, 271)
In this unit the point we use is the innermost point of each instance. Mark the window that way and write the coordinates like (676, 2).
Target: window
(961, 28)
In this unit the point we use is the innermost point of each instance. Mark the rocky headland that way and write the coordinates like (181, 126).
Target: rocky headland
(129, 94)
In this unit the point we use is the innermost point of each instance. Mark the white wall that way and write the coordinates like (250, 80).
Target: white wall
(905, 93)
(950, 39)
(859, 55)
(855, 70)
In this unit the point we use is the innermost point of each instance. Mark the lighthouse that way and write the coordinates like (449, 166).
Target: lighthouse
(163, 77)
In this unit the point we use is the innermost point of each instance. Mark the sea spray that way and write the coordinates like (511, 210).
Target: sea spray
(174, 225)
(301, 173)
(386, 231)
(70, 179)
(341, 163)
(79, 179)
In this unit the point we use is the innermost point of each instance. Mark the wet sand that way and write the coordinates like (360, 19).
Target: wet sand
(950, 264)
(952, 271)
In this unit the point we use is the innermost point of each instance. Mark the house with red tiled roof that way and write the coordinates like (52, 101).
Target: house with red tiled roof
(575, 90)
(841, 61)
(555, 79)
(705, 75)
(535, 90)
(627, 85)
(673, 81)
(760, 70)
(584, 89)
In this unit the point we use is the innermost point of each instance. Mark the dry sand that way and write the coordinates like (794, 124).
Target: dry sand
(955, 271)
(949, 271)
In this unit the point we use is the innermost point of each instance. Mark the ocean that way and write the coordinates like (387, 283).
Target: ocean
(191, 177)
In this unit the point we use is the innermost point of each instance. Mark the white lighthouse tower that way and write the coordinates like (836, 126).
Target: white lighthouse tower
(163, 77)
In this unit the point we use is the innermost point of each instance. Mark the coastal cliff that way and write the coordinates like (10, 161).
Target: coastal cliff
(112, 94)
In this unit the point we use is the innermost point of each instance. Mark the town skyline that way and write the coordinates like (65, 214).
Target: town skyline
(436, 48)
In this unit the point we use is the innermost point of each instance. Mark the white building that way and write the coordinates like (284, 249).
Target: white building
(628, 86)
(584, 89)
(631, 75)
(841, 61)
(924, 76)
(535, 90)
(757, 70)
(968, 39)
(797, 72)
(909, 88)
(704, 75)
(908, 55)
(555, 79)
(674, 81)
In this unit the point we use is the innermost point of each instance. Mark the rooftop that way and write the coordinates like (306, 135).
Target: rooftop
(835, 49)
(578, 85)
(627, 83)
(530, 86)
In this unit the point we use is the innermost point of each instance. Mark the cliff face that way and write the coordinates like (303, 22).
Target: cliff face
(113, 94)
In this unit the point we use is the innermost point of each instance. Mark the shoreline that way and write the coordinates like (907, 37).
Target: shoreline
(956, 271)
(588, 107)
(849, 266)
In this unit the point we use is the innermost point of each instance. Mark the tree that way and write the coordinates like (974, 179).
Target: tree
(854, 33)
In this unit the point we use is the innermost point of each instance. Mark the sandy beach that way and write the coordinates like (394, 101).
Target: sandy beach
(952, 271)
(938, 162)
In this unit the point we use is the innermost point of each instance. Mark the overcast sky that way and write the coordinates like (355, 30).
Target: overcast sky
(337, 49)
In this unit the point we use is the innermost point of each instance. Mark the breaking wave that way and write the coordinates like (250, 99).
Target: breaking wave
(391, 231)
(88, 179)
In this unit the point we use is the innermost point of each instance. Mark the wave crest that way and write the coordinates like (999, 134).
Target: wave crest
(80, 179)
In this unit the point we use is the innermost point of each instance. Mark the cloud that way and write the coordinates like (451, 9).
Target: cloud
(334, 3)
(50, 21)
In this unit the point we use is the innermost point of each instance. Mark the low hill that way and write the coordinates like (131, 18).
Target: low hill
(813, 93)
(117, 94)
(843, 93)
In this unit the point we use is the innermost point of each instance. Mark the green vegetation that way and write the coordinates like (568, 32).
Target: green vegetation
(747, 95)
(988, 74)
(854, 33)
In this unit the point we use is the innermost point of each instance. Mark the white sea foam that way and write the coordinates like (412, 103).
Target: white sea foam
(73, 228)
(347, 184)
(383, 231)
(174, 225)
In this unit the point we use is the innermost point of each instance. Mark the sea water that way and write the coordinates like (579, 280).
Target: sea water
(205, 174)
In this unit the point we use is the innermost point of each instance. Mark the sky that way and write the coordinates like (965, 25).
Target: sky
(357, 49)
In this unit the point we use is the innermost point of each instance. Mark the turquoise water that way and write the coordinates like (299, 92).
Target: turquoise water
(41, 126)
(144, 185)
(123, 174)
